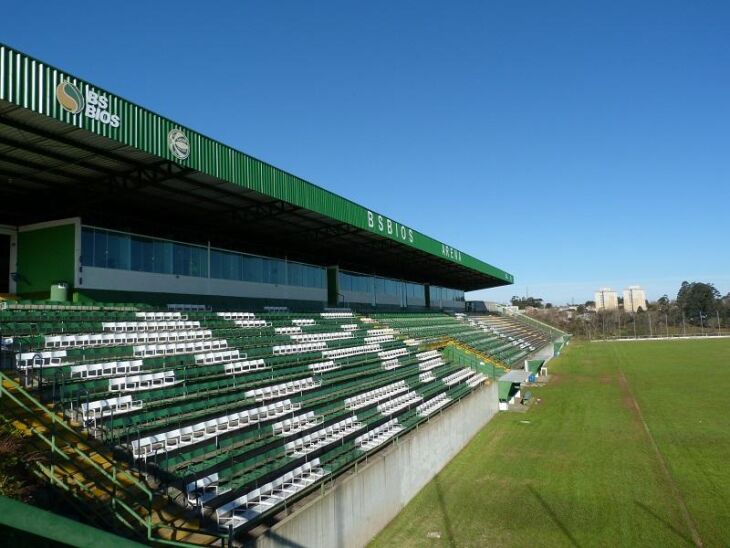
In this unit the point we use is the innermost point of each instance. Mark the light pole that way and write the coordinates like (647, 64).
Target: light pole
(684, 327)
(648, 315)
(718, 322)
(634, 318)
(702, 325)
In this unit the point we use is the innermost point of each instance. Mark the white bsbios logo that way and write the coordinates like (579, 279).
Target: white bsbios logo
(178, 144)
(385, 225)
(94, 105)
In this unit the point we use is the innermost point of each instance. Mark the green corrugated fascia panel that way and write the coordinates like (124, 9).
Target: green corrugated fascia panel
(31, 84)
(42, 523)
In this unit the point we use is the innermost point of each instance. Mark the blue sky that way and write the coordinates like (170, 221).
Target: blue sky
(574, 144)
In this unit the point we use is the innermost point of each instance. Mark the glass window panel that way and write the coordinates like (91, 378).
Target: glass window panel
(296, 274)
(216, 263)
(100, 248)
(118, 251)
(87, 246)
(161, 256)
(181, 260)
(199, 262)
(253, 269)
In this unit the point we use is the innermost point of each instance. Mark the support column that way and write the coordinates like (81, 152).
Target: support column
(427, 294)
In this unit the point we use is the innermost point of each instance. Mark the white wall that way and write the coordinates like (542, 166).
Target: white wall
(128, 280)
(361, 504)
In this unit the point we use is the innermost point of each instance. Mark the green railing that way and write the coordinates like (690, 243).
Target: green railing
(129, 503)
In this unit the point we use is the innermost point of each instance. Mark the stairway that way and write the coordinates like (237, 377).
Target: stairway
(106, 491)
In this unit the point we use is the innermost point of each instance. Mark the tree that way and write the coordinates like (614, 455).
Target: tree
(698, 298)
(526, 301)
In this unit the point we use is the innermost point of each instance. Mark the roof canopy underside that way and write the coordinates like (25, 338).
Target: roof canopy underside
(54, 166)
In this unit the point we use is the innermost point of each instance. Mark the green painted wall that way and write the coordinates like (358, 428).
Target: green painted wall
(45, 256)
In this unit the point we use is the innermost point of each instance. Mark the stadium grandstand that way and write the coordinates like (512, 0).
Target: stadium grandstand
(201, 342)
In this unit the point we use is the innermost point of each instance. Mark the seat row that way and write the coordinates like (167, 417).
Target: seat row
(201, 431)
(426, 377)
(236, 315)
(373, 396)
(336, 315)
(433, 405)
(105, 369)
(325, 336)
(151, 325)
(476, 380)
(323, 367)
(296, 424)
(392, 363)
(457, 377)
(120, 338)
(283, 389)
(246, 366)
(251, 505)
(287, 349)
(221, 356)
(303, 321)
(108, 407)
(433, 363)
(35, 360)
(387, 354)
(161, 315)
(148, 381)
(288, 330)
(379, 435)
(322, 438)
(201, 491)
(378, 339)
(346, 352)
(381, 331)
(179, 348)
(250, 324)
(400, 402)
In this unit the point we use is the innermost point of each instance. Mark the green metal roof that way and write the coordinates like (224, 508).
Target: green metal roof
(50, 92)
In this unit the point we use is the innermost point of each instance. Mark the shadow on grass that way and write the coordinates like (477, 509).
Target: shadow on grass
(664, 522)
(553, 516)
(442, 505)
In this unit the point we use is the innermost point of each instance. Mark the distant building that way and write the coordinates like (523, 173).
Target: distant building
(606, 299)
(634, 298)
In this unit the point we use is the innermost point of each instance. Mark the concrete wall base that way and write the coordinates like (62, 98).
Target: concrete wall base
(363, 503)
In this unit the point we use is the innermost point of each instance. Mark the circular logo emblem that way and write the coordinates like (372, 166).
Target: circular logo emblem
(69, 97)
(178, 144)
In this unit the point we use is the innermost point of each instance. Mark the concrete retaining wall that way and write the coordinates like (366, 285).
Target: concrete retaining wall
(360, 505)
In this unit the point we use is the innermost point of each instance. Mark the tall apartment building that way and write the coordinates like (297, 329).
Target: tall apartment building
(606, 299)
(634, 298)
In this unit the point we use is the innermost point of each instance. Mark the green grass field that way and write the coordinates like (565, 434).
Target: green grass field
(629, 446)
